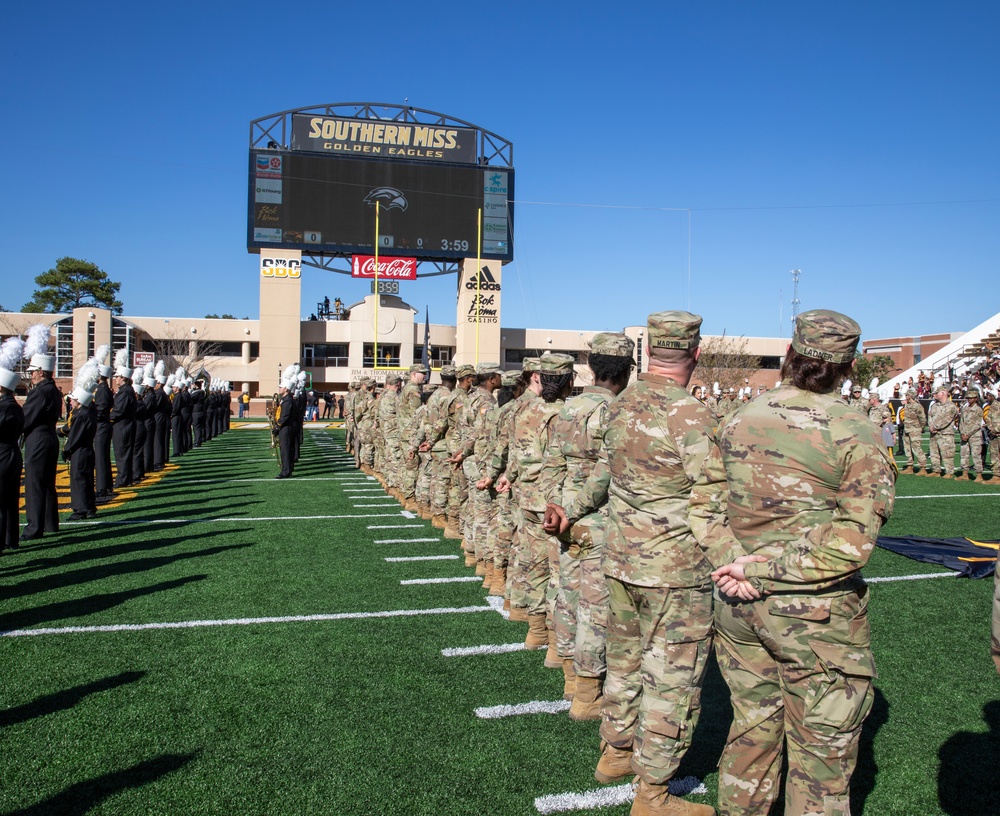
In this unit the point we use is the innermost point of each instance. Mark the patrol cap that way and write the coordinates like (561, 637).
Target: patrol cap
(448, 371)
(531, 364)
(912, 392)
(557, 364)
(826, 335)
(510, 378)
(612, 344)
(419, 368)
(391, 379)
(488, 368)
(465, 371)
(673, 330)
(973, 393)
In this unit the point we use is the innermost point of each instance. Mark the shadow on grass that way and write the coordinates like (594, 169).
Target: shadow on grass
(80, 607)
(866, 771)
(117, 568)
(709, 738)
(967, 776)
(82, 796)
(85, 535)
(62, 700)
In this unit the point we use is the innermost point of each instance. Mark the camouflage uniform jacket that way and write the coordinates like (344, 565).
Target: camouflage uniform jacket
(579, 437)
(388, 409)
(801, 479)
(505, 427)
(474, 427)
(363, 414)
(529, 440)
(436, 419)
(970, 421)
(914, 416)
(456, 410)
(941, 417)
(418, 428)
(656, 439)
(879, 414)
(485, 450)
(349, 408)
(406, 409)
(991, 416)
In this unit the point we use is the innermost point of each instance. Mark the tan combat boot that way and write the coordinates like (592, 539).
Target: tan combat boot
(518, 614)
(976, 478)
(947, 476)
(480, 567)
(552, 659)
(655, 800)
(538, 635)
(440, 521)
(569, 679)
(488, 577)
(470, 559)
(614, 765)
(451, 531)
(499, 587)
(587, 699)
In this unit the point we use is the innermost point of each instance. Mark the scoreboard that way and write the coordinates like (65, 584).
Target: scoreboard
(326, 204)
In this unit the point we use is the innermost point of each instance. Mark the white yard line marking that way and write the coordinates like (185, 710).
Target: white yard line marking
(422, 558)
(408, 514)
(889, 578)
(954, 496)
(238, 518)
(534, 707)
(262, 479)
(407, 541)
(395, 526)
(496, 604)
(199, 624)
(462, 579)
(610, 796)
(370, 506)
(495, 649)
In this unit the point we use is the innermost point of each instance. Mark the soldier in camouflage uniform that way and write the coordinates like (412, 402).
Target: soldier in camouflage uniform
(349, 417)
(472, 441)
(582, 600)
(914, 422)
(991, 417)
(408, 404)
(941, 422)
(995, 628)
(537, 557)
(970, 426)
(878, 413)
(388, 422)
(436, 427)
(508, 525)
(422, 489)
(660, 594)
(458, 487)
(788, 508)
(499, 523)
(364, 421)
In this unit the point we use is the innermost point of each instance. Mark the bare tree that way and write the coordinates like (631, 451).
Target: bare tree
(726, 361)
(176, 348)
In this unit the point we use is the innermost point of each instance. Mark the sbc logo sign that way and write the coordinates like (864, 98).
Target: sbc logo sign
(280, 268)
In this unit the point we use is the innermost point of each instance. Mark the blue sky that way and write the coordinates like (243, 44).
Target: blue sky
(855, 141)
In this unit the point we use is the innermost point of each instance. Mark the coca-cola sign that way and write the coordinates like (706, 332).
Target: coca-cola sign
(363, 266)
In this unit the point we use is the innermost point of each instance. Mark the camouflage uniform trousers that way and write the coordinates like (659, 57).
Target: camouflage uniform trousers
(589, 648)
(441, 472)
(532, 567)
(500, 532)
(392, 461)
(913, 446)
(799, 669)
(994, 450)
(970, 454)
(659, 639)
(458, 496)
(943, 451)
(474, 511)
(422, 488)
(409, 471)
(366, 448)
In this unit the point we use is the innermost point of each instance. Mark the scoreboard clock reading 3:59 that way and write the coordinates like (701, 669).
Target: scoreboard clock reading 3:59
(324, 204)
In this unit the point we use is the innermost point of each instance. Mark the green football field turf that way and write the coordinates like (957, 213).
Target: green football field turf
(268, 686)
